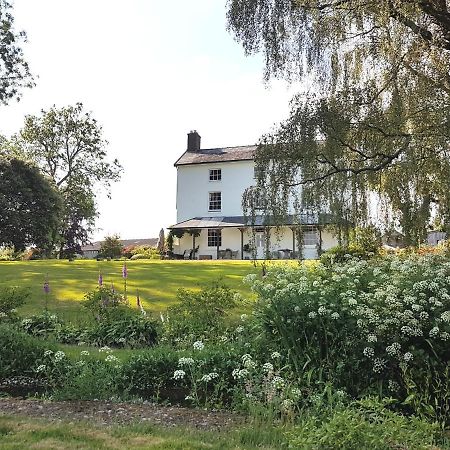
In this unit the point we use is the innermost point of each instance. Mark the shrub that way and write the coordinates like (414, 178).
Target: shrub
(366, 424)
(365, 326)
(132, 330)
(41, 325)
(142, 251)
(156, 374)
(105, 302)
(10, 299)
(20, 353)
(199, 314)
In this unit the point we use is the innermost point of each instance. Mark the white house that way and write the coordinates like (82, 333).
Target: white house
(210, 221)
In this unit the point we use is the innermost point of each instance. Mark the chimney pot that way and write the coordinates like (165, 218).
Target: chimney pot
(193, 144)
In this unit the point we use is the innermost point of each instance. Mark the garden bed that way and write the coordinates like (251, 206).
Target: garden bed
(107, 413)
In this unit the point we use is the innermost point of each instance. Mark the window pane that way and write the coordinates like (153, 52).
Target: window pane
(215, 174)
(214, 238)
(215, 201)
(310, 237)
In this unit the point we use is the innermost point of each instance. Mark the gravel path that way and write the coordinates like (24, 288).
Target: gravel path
(107, 413)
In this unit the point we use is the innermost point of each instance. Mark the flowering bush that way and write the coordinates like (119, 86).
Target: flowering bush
(365, 325)
(84, 378)
(20, 353)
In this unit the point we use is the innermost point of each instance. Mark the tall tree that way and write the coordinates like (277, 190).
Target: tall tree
(14, 71)
(68, 145)
(30, 206)
(378, 123)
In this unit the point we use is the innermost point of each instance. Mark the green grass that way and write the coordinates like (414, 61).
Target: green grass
(157, 281)
(20, 432)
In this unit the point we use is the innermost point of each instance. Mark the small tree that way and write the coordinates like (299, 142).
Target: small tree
(111, 247)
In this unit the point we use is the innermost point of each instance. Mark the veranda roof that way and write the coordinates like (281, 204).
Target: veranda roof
(241, 221)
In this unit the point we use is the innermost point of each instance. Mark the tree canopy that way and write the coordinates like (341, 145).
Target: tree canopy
(30, 206)
(14, 71)
(68, 146)
(371, 142)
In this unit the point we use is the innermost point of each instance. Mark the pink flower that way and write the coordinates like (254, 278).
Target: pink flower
(124, 271)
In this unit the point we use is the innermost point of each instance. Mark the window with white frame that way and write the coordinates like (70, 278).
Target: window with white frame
(310, 238)
(214, 238)
(215, 174)
(215, 201)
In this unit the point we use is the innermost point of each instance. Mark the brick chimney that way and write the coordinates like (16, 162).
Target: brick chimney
(193, 144)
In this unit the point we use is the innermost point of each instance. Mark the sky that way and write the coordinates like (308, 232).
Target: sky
(149, 71)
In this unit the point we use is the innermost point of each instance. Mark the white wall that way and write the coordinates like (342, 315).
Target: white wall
(231, 239)
(193, 187)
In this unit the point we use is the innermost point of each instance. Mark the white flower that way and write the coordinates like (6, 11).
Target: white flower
(335, 316)
(267, 367)
(312, 315)
(322, 310)
(185, 361)
(297, 309)
(296, 392)
(48, 353)
(275, 355)
(369, 352)
(371, 338)
(393, 349)
(59, 356)
(104, 349)
(445, 316)
(240, 373)
(379, 365)
(393, 386)
(278, 383)
(198, 345)
(84, 353)
(179, 374)
(445, 336)
(408, 356)
(244, 317)
(352, 302)
(41, 368)
(209, 376)
(287, 404)
(239, 329)
(112, 359)
(434, 332)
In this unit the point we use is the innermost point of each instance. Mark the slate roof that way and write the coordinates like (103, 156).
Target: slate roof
(215, 155)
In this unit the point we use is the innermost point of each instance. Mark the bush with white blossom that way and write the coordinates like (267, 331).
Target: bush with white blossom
(364, 325)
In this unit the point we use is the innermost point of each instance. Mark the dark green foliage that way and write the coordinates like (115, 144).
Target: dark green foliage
(68, 145)
(30, 206)
(11, 298)
(14, 71)
(150, 373)
(199, 314)
(20, 353)
(368, 424)
(41, 325)
(131, 330)
(92, 380)
(111, 247)
(105, 303)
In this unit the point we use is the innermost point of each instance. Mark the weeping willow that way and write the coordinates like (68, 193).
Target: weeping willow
(371, 142)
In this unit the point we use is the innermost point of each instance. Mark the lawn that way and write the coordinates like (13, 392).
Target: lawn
(157, 281)
(21, 432)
